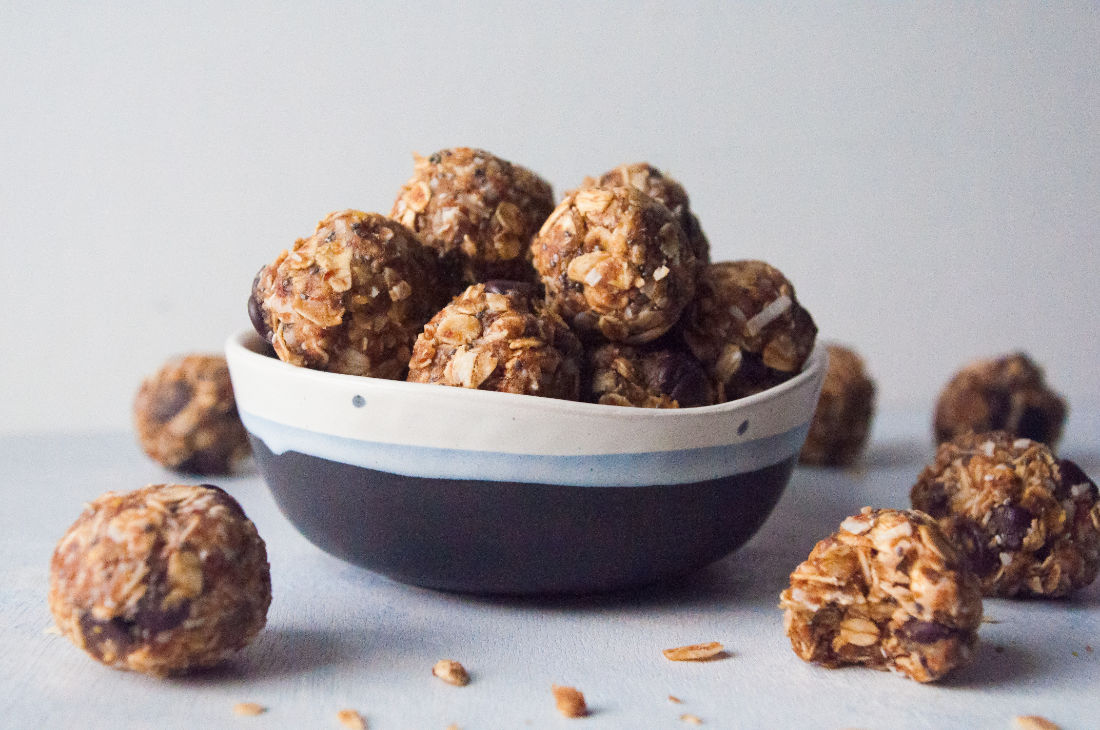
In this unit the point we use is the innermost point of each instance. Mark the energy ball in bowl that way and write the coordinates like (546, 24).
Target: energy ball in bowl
(621, 375)
(886, 591)
(1026, 522)
(615, 263)
(476, 211)
(349, 299)
(662, 188)
(1001, 394)
(161, 580)
(747, 327)
(842, 420)
(186, 417)
(494, 337)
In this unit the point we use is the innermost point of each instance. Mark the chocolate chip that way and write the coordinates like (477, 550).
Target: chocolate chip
(169, 399)
(677, 375)
(972, 542)
(116, 631)
(1011, 523)
(256, 311)
(1033, 425)
(926, 632)
(934, 499)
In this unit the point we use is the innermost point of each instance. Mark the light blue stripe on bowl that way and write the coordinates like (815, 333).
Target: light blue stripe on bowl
(583, 470)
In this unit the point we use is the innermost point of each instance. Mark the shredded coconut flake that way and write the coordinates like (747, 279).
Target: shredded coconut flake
(767, 315)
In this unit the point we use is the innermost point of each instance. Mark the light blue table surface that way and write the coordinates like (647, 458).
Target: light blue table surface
(339, 637)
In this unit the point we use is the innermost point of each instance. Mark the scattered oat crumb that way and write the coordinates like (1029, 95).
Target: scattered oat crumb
(1034, 722)
(1088, 648)
(675, 700)
(451, 672)
(1075, 653)
(452, 726)
(249, 709)
(989, 620)
(694, 652)
(569, 700)
(691, 719)
(52, 630)
(351, 720)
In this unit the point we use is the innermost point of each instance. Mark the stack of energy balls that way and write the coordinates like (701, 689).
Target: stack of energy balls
(997, 514)
(478, 280)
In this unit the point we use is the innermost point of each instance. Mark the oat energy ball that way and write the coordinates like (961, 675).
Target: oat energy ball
(747, 327)
(886, 591)
(186, 417)
(1026, 522)
(842, 419)
(161, 580)
(351, 298)
(617, 263)
(494, 337)
(476, 211)
(622, 375)
(666, 191)
(1001, 394)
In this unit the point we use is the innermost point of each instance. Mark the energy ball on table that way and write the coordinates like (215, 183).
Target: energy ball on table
(1001, 394)
(161, 580)
(351, 298)
(666, 191)
(622, 375)
(186, 417)
(493, 337)
(616, 263)
(476, 211)
(1026, 522)
(842, 419)
(886, 591)
(747, 327)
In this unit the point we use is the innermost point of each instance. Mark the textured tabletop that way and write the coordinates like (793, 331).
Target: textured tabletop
(339, 637)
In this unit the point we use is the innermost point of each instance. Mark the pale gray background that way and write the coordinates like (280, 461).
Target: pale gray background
(927, 176)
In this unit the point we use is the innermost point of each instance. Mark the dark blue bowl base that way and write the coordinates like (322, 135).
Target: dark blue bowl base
(517, 538)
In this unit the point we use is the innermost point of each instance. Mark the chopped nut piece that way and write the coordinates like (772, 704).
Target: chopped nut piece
(451, 672)
(569, 700)
(690, 719)
(351, 720)
(1034, 722)
(694, 652)
(249, 709)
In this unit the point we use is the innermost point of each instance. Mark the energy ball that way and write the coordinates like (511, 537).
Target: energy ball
(1001, 394)
(886, 591)
(494, 337)
(161, 580)
(842, 419)
(615, 263)
(351, 298)
(1026, 522)
(666, 191)
(747, 327)
(476, 211)
(186, 417)
(622, 375)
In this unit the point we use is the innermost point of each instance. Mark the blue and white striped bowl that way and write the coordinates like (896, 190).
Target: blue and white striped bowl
(497, 493)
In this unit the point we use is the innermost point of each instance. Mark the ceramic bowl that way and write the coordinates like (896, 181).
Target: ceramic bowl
(485, 492)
